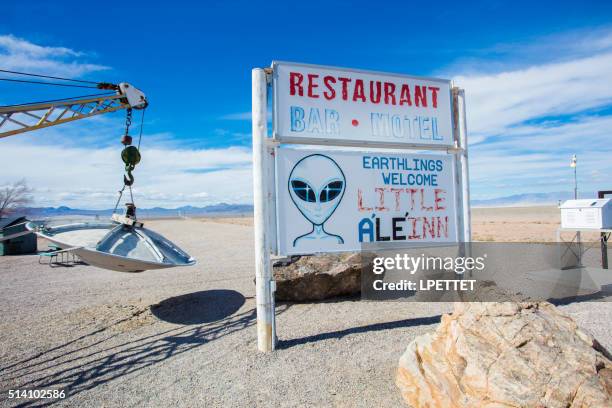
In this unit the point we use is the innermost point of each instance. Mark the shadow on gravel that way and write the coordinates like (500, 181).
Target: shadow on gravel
(92, 360)
(604, 293)
(418, 321)
(199, 307)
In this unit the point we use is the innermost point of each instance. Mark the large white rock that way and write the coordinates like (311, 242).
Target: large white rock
(505, 355)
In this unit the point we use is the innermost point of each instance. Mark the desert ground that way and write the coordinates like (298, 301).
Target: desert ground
(186, 337)
(519, 224)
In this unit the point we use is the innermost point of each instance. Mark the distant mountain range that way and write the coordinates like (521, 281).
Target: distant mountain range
(223, 209)
(524, 200)
(156, 212)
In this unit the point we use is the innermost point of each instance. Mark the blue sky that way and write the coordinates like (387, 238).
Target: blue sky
(538, 80)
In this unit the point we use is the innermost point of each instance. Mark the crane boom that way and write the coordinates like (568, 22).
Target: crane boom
(24, 118)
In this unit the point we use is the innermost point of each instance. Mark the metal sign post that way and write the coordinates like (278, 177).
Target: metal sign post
(461, 160)
(266, 333)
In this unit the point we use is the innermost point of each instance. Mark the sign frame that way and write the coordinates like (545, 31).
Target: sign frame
(276, 136)
(264, 184)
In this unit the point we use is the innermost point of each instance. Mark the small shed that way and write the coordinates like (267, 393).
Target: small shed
(15, 238)
(587, 214)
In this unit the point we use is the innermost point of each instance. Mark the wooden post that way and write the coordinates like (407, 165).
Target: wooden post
(264, 283)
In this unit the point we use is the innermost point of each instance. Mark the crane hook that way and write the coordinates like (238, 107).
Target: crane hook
(129, 180)
(131, 157)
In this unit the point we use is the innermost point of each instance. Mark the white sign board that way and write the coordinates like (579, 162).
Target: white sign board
(344, 106)
(330, 201)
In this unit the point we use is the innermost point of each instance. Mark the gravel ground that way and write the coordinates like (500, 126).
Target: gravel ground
(187, 337)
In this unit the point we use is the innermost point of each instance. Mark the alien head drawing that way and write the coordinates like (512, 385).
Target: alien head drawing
(316, 186)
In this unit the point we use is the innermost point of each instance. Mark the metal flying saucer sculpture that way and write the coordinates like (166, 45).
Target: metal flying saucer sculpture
(120, 245)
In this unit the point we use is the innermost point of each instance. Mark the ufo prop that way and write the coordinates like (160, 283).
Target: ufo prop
(122, 245)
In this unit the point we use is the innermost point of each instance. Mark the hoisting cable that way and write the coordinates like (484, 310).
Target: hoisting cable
(47, 83)
(121, 195)
(48, 76)
(98, 85)
(141, 126)
(118, 199)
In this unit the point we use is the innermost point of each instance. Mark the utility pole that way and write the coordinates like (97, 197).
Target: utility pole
(573, 164)
(578, 241)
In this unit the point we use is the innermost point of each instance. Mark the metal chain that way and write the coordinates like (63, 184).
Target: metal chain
(128, 123)
(128, 120)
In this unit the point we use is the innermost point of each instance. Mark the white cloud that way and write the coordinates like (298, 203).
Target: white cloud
(497, 102)
(17, 54)
(526, 122)
(16, 45)
(83, 177)
(238, 116)
(244, 116)
(536, 51)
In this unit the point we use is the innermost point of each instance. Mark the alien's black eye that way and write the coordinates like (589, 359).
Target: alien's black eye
(330, 191)
(303, 191)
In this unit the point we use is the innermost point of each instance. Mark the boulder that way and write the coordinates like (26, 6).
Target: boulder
(322, 277)
(509, 354)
